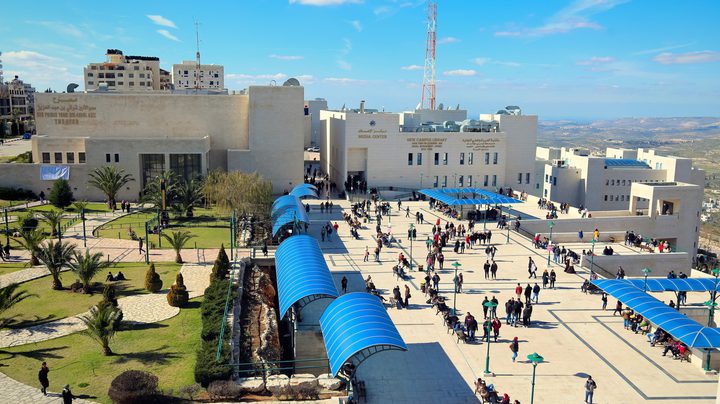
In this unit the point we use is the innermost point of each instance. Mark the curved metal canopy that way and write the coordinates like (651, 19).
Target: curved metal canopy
(467, 196)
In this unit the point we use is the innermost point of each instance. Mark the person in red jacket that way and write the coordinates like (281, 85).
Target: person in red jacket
(518, 290)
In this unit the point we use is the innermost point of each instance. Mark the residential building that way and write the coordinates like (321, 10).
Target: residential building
(123, 73)
(188, 75)
(16, 100)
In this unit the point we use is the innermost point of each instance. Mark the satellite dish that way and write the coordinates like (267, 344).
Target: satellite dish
(71, 87)
(441, 106)
(291, 82)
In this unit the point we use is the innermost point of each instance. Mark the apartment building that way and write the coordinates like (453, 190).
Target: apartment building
(123, 73)
(187, 75)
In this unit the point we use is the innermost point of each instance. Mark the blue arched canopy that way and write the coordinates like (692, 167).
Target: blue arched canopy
(666, 285)
(690, 332)
(287, 209)
(302, 274)
(303, 192)
(467, 196)
(356, 326)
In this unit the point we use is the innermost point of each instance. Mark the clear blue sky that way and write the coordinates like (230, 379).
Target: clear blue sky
(559, 59)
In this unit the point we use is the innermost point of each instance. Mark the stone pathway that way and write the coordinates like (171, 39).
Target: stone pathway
(23, 275)
(144, 308)
(16, 392)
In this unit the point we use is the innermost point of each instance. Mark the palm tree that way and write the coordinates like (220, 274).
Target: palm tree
(30, 240)
(56, 256)
(79, 206)
(9, 298)
(177, 240)
(86, 266)
(101, 325)
(54, 219)
(152, 193)
(188, 195)
(109, 180)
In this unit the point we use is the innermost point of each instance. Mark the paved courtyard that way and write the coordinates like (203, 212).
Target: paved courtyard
(569, 329)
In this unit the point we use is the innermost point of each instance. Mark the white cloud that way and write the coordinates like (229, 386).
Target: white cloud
(252, 77)
(669, 58)
(347, 46)
(574, 16)
(324, 2)
(357, 25)
(344, 65)
(487, 61)
(481, 61)
(460, 72)
(60, 27)
(596, 60)
(662, 49)
(39, 69)
(167, 35)
(412, 67)
(286, 57)
(341, 80)
(447, 40)
(160, 20)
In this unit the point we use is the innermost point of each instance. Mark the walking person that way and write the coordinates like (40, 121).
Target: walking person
(545, 278)
(67, 395)
(344, 283)
(532, 268)
(553, 277)
(536, 293)
(590, 387)
(618, 308)
(518, 291)
(367, 254)
(486, 269)
(604, 301)
(140, 245)
(407, 296)
(43, 378)
(493, 269)
(515, 348)
(436, 281)
(485, 307)
(496, 328)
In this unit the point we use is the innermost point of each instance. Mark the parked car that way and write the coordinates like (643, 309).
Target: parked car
(27, 135)
(313, 149)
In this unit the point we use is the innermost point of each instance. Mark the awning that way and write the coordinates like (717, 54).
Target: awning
(303, 192)
(287, 209)
(666, 285)
(302, 274)
(467, 196)
(690, 332)
(356, 326)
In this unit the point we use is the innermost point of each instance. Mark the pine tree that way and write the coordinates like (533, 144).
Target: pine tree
(61, 196)
(153, 283)
(178, 295)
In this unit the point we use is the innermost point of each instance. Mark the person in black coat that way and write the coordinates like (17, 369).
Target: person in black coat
(43, 378)
(67, 395)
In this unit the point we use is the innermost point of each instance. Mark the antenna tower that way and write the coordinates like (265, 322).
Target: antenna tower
(428, 95)
(197, 55)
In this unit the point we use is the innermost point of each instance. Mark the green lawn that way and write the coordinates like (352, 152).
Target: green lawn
(51, 304)
(6, 268)
(7, 204)
(166, 349)
(209, 226)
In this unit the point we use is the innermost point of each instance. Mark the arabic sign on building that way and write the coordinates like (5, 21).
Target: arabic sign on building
(65, 111)
(480, 144)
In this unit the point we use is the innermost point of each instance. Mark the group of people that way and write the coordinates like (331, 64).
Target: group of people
(5, 251)
(516, 310)
(44, 380)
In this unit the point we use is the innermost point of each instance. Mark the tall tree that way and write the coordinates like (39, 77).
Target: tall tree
(61, 195)
(101, 325)
(249, 194)
(30, 240)
(56, 257)
(86, 266)
(177, 240)
(109, 180)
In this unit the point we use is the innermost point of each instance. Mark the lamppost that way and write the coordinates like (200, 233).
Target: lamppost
(711, 312)
(491, 306)
(535, 359)
(550, 225)
(456, 265)
(7, 228)
(592, 255)
(82, 217)
(646, 272)
(410, 232)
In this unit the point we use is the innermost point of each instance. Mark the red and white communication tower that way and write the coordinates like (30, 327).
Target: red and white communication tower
(428, 95)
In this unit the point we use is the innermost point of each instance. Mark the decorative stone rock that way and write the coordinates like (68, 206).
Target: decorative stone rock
(251, 384)
(328, 382)
(303, 381)
(277, 383)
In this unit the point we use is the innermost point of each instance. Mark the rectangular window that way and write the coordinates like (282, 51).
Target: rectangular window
(58, 158)
(70, 157)
(90, 83)
(444, 181)
(554, 180)
(527, 178)
(445, 159)
(131, 84)
(487, 158)
(623, 182)
(606, 197)
(462, 159)
(485, 180)
(461, 181)
(117, 158)
(546, 178)
(46, 158)
(469, 180)
(494, 182)
(410, 158)
(151, 165)
(131, 75)
(418, 160)
(186, 166)
(495, 158)
(437, 160)
(436, 182)
(107, 157)
(81, 157)
(519, 178)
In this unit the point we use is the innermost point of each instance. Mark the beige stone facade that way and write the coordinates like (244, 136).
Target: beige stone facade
(123, 73)
(187, 75)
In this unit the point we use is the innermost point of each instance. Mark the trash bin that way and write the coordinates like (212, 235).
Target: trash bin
(420, 268)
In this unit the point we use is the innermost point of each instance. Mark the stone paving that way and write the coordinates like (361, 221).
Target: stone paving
(24, 275)
(15, 392)
(142, 308)
(569, 329)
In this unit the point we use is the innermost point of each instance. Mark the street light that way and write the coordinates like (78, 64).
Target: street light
(410, 232)
(7, 228)
(491, 306)
(82, 217)
(592, 255)
(456, 265)
(646, 272)
(550, 225)
(711, 312)
(535, 359)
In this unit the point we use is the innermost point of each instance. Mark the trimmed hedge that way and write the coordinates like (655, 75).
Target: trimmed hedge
(212, 310)
(153, 283)
(16, 194)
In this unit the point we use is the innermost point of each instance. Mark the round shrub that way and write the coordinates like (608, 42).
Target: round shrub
(153, 283)
(178, 295)
(134, 386)
(29, 223)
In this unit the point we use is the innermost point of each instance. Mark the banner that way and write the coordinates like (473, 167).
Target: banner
(52, 173)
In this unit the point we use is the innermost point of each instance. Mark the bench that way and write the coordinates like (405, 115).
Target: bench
(647, 248)
(461, 336)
